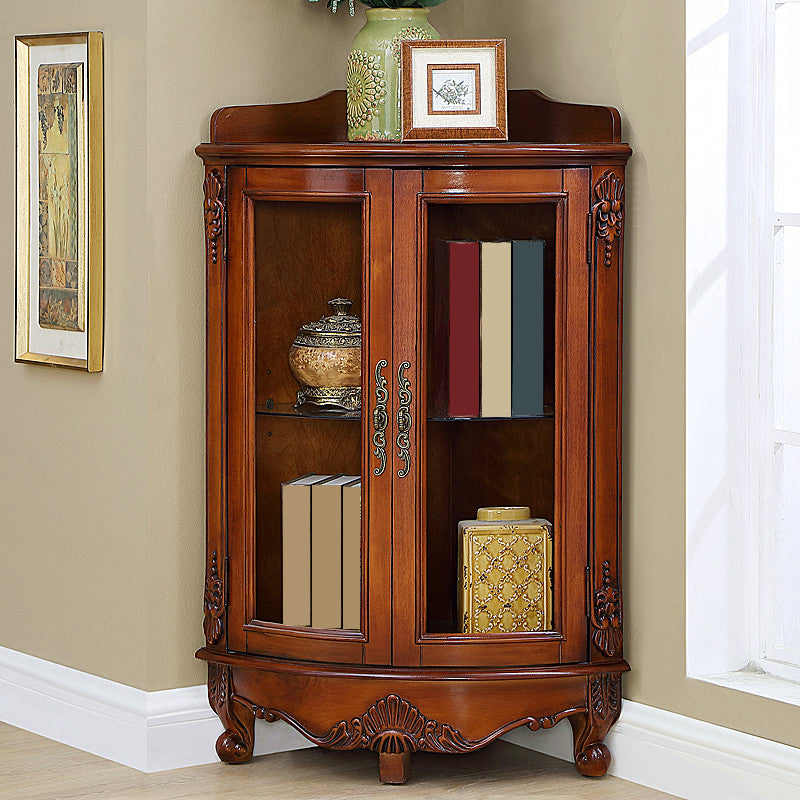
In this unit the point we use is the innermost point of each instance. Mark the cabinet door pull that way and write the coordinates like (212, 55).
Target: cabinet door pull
(404, 420)
(380, 418)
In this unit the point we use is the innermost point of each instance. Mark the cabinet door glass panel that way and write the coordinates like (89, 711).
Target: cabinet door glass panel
(308, 449)
(491, 426)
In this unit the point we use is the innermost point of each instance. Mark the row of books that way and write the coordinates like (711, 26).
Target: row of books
(322, 551)
(489, 328)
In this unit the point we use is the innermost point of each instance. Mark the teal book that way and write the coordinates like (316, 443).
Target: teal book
(527, 328)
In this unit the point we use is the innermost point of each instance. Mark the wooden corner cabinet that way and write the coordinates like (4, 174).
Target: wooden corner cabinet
(295, 216)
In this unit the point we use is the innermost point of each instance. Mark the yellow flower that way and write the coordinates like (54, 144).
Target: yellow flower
(366, 88)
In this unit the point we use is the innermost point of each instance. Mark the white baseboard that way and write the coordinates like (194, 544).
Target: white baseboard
(684, 757)
(150, 731)
(154, 731)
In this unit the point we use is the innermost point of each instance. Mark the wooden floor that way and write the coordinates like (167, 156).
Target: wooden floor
(33, 768)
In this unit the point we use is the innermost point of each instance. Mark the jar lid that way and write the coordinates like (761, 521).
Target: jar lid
(339, 330)
(504, 513)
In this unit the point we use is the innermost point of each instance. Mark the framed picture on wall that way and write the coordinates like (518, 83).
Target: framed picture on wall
(60, 200)
(454, 89)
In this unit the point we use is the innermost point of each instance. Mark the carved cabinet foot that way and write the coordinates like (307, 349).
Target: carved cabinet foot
(593, 760)
(235, 744)
(394, 767)
(590, 727)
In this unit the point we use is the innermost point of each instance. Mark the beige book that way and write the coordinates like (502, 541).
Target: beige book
(351, 555)
(495, 329)
(326, 552)
(296, 527)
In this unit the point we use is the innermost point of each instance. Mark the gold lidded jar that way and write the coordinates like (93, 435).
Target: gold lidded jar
(505, 560)
(325, 358)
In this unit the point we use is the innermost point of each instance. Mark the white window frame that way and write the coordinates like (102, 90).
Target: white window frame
(730, 434)
(773, 659)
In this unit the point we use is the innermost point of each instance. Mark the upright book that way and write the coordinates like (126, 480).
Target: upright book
(495, 296)
(351, 554)
(326, 552)
(457, 333)
(296, 531)
(527, 323)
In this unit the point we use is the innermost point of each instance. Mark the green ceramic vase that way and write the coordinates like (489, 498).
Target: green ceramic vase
(373, 71)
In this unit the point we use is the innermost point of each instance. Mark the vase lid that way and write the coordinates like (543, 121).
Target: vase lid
(338, 330)
(504, 513)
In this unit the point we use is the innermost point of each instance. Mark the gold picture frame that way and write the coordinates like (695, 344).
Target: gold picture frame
(60, 200)
(454, 89)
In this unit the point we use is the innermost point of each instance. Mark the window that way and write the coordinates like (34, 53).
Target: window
(780, 617)
(743, 343)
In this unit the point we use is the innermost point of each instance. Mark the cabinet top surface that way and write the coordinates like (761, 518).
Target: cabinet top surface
(314, 132)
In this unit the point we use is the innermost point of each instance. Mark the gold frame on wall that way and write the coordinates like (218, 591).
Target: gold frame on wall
(90, 212)
(418, 117)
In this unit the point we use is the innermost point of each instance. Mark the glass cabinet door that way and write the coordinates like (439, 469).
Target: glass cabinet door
(303, 285)
(498, 447)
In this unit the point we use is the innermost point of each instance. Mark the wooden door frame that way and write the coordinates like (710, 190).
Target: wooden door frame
(568, 190)
(245, 632)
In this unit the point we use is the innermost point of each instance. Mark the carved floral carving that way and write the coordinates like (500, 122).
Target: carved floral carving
(214, 210)
(608, 213)
(219, 682)
(213, 603)
(607, 615)
(605, 695)
(394, 725)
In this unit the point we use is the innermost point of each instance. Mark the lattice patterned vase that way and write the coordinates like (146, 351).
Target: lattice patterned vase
(505, 572)
(373, 71)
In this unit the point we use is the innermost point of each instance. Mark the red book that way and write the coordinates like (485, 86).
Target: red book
(457, 328)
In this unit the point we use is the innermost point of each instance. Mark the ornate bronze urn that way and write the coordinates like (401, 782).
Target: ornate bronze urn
(325, 357)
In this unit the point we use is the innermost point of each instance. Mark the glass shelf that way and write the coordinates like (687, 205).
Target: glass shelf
(289, 410)
(549, 413)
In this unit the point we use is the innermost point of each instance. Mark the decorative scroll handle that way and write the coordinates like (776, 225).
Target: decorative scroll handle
(380, 418)
(404, 420)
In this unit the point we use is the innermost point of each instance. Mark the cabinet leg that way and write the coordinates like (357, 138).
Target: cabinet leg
(235, 744)
(394, 767)
(590, 727)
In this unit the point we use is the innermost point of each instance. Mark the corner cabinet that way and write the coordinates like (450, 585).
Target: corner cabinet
(296, 216)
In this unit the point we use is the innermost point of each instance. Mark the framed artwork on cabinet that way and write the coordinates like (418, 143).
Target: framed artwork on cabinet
(454, 89)
(60, 200)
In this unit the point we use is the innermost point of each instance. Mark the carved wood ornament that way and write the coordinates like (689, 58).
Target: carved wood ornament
(214, 603)
(607, 615)
(589, 728)
(214, 212)
(235, 744)
(607, 214)
(391, 725)
(394, 725)
(605, 695)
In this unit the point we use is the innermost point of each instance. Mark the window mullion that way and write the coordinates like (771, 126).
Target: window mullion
(765, 485)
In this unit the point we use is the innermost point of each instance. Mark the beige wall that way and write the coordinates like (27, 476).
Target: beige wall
(73, 445)
(630, 54)
(106, 575)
